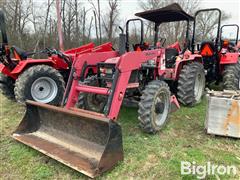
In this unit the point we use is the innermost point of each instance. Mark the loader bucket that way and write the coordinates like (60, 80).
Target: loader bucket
(88, 143)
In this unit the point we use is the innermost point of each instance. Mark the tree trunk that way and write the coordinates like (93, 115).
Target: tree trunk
(99, 22)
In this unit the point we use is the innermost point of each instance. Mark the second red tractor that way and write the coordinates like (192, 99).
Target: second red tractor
(220, 56)
(41, 80)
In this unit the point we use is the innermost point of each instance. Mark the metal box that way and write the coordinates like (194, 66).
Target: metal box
(223, 113)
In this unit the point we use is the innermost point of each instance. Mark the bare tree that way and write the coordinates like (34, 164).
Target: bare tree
(17, 16)
(84, 25)
(77, 33)
(49, 4)
(97, 16)
(171, 31)
(206, 25)
(96, 24)
(99, 21)
(176, 30)
(110, 18)
(90, 28)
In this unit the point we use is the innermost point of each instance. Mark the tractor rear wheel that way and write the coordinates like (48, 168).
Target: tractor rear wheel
(231, 77)
(154, 106)
(7, 86)
(191, 84)
(90, 101)
(40, 83)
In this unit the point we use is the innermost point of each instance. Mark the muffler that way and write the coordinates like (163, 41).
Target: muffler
(87, 142)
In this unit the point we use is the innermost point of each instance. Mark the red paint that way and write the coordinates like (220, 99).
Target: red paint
(80, 49)
(176, 45)
(92, 89)
(55, 61)
(229, 58)
(91, 59)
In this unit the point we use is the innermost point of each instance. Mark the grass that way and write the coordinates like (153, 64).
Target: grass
(145, 156)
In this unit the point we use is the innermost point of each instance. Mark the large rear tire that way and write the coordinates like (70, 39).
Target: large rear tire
(231, 77)
(90, 101)
(7, 86)
(191, 84)
(154, 106)
(40, 83)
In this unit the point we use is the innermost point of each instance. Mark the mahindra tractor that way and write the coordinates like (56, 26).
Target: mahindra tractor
(84, 133)
(220, 56)
(41, 80)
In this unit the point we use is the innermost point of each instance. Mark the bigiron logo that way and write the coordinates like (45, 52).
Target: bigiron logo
(201, 171)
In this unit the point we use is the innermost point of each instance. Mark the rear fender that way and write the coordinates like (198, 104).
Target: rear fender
(6, 71)
(181, 62)
(229, 58)
(30, 62)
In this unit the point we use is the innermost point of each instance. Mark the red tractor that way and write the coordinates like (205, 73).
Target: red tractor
(220, 60)
(42, 80)
(85, 134)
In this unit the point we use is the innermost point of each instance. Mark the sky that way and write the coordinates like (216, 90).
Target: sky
(129, 7)
(231, 7)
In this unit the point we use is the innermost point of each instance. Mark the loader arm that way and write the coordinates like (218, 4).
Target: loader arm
(91, 59)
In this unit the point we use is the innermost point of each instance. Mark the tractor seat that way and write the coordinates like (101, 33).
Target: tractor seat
(19, 53)
(207, 48)
(171, 55)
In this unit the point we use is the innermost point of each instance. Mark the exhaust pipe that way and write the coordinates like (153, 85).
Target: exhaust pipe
(88, 143)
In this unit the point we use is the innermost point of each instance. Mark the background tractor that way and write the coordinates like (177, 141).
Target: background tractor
(220, 60)
(85, 134)
(41, 80)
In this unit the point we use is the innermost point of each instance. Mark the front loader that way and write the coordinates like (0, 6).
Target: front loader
(84, 134)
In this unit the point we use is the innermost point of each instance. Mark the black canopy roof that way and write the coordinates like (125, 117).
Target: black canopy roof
(172, 12)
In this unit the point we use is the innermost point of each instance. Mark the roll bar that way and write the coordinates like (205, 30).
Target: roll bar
(127, 32)
(229, 25)
(218, 28)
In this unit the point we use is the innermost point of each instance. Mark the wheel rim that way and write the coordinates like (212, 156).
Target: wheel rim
(161, 108)
(199, 86)
(44, 90)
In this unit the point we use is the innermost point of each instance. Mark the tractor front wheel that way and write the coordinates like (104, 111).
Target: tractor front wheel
(154, 106)
(191, 84)
(7, 86)
(40, 83)
(90, 101)
(231, 77)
